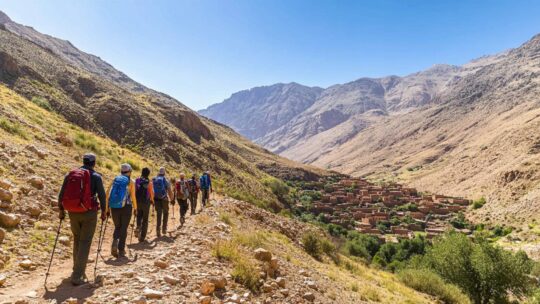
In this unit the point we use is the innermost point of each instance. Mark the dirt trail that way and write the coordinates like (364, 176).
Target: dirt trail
(30, 286)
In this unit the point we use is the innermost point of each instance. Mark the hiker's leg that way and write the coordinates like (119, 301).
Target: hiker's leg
(159, 214)
(116, 216)
(145, 212)
(88, 228)
(183, 208)
(125, 219)
(75, 222)
(139, 215)
(165, 206)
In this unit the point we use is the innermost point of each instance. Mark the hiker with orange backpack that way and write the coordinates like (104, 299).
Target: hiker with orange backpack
(181, 192)
(144, 190)
(122, 202)
(81, 190)
(162, 196)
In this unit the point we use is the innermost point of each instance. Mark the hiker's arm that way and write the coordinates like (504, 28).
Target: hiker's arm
(102, 197)
(107, 194)
(61, 194)
(170, 191)
(133, 196)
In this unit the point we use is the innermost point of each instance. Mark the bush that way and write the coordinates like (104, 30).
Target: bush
(87, 141)
(13, 128)
(42, 103)
(134, 164)
(479, 203)
(310, 241)
(246, 273)
(226, 218)
(225, 250)
(428, 282)
(278, 187)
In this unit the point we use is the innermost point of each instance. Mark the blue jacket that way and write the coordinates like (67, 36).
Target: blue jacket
(206, 182)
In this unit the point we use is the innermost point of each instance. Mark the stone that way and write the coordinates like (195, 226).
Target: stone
(284, 291)
(171, 280)
(2, 235)
(5, 195)
(304, 273)
(152, 294)
(26, 264)
(205, 300)
(140, 300)
(309, 296)
(161, 264)
(64, 240)
(274, 264)
(34, 210)
(37, 182)
(281, 282)
(219, 282)
(262, 254)
(71, 301)
(3, 279)
(311, 285)
(267, 287)
(207, 288)
(236, 298)
(9, 220)
(40, 153)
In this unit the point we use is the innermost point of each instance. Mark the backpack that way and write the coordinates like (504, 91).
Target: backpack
(160, 187)
(77, 195)
(141, 189)
(182, 189)
(193, 187)
(118, 195)
(205, 182)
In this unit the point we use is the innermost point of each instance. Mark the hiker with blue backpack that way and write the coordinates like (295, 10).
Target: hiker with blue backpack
(81, 190)
(162, 195)
(122, 202)
(206, 188)
(144, 191)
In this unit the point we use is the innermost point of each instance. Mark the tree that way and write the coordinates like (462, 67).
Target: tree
(485, 272)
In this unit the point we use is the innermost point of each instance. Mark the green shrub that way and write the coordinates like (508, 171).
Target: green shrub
(429, 282)
(134, 164)
(13, 128)
(87, 141)
(310, 242)
(246, 273)
(225, 218)
(479, 203)
(42, 103)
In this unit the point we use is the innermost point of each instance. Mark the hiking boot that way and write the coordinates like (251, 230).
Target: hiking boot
(137, 232)
(164, 231)
(122, 254)
(78, 281)
(114, 248)
(143, 241)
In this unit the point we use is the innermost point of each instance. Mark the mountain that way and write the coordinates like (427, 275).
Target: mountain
(458, 130)
(258, 111)
(93, 95)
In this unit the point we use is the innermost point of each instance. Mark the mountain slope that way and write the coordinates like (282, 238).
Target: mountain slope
(143, 120)
(258, 111)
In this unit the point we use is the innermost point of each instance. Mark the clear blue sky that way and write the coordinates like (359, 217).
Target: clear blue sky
(202, 51)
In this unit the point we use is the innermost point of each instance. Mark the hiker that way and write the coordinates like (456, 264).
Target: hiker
(181, 192)
(144, 192)
(81, 203)
(162, 194)
(206, 188)
(122, 203)
(193, 188)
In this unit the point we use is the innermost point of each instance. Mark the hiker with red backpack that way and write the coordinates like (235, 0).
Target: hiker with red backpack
(206, 188)
(193, 188)
(181, 193)
(144, 191)
(81, 190)
(122, 202)
(162, 196)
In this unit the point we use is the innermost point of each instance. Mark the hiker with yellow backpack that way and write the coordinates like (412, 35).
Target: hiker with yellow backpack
(122, 202)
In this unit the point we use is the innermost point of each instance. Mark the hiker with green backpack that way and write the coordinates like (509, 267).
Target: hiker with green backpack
(122, 202)
(181, 192)
(81, 190)
(162, 196)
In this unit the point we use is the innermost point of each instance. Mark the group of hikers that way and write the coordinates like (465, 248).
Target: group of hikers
(82, 195)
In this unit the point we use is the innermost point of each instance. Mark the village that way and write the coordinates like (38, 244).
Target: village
(387, 211)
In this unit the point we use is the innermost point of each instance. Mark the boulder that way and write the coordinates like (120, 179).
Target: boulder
(64, 240)
(37, 182)
(281, 282)
(34, 210)
(40, 153)
(171, 280)
(309, 296)
(9, 220)
(219, 282)
(152, 294)
(262, 254)
(161, 264)
(207, 287)
(5, 184)
(274, 265)
(26, 264)
(205, 300)
(5, 195)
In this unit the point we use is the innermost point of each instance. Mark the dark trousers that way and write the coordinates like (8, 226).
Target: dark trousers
(83, 227)
(162, 211)
(193, 201)
(121, 218)
(143, 212)
(205, 196)
(183, 207)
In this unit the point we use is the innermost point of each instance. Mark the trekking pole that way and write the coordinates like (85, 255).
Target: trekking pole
(52, 253)
(131, 239)
(100, 242)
